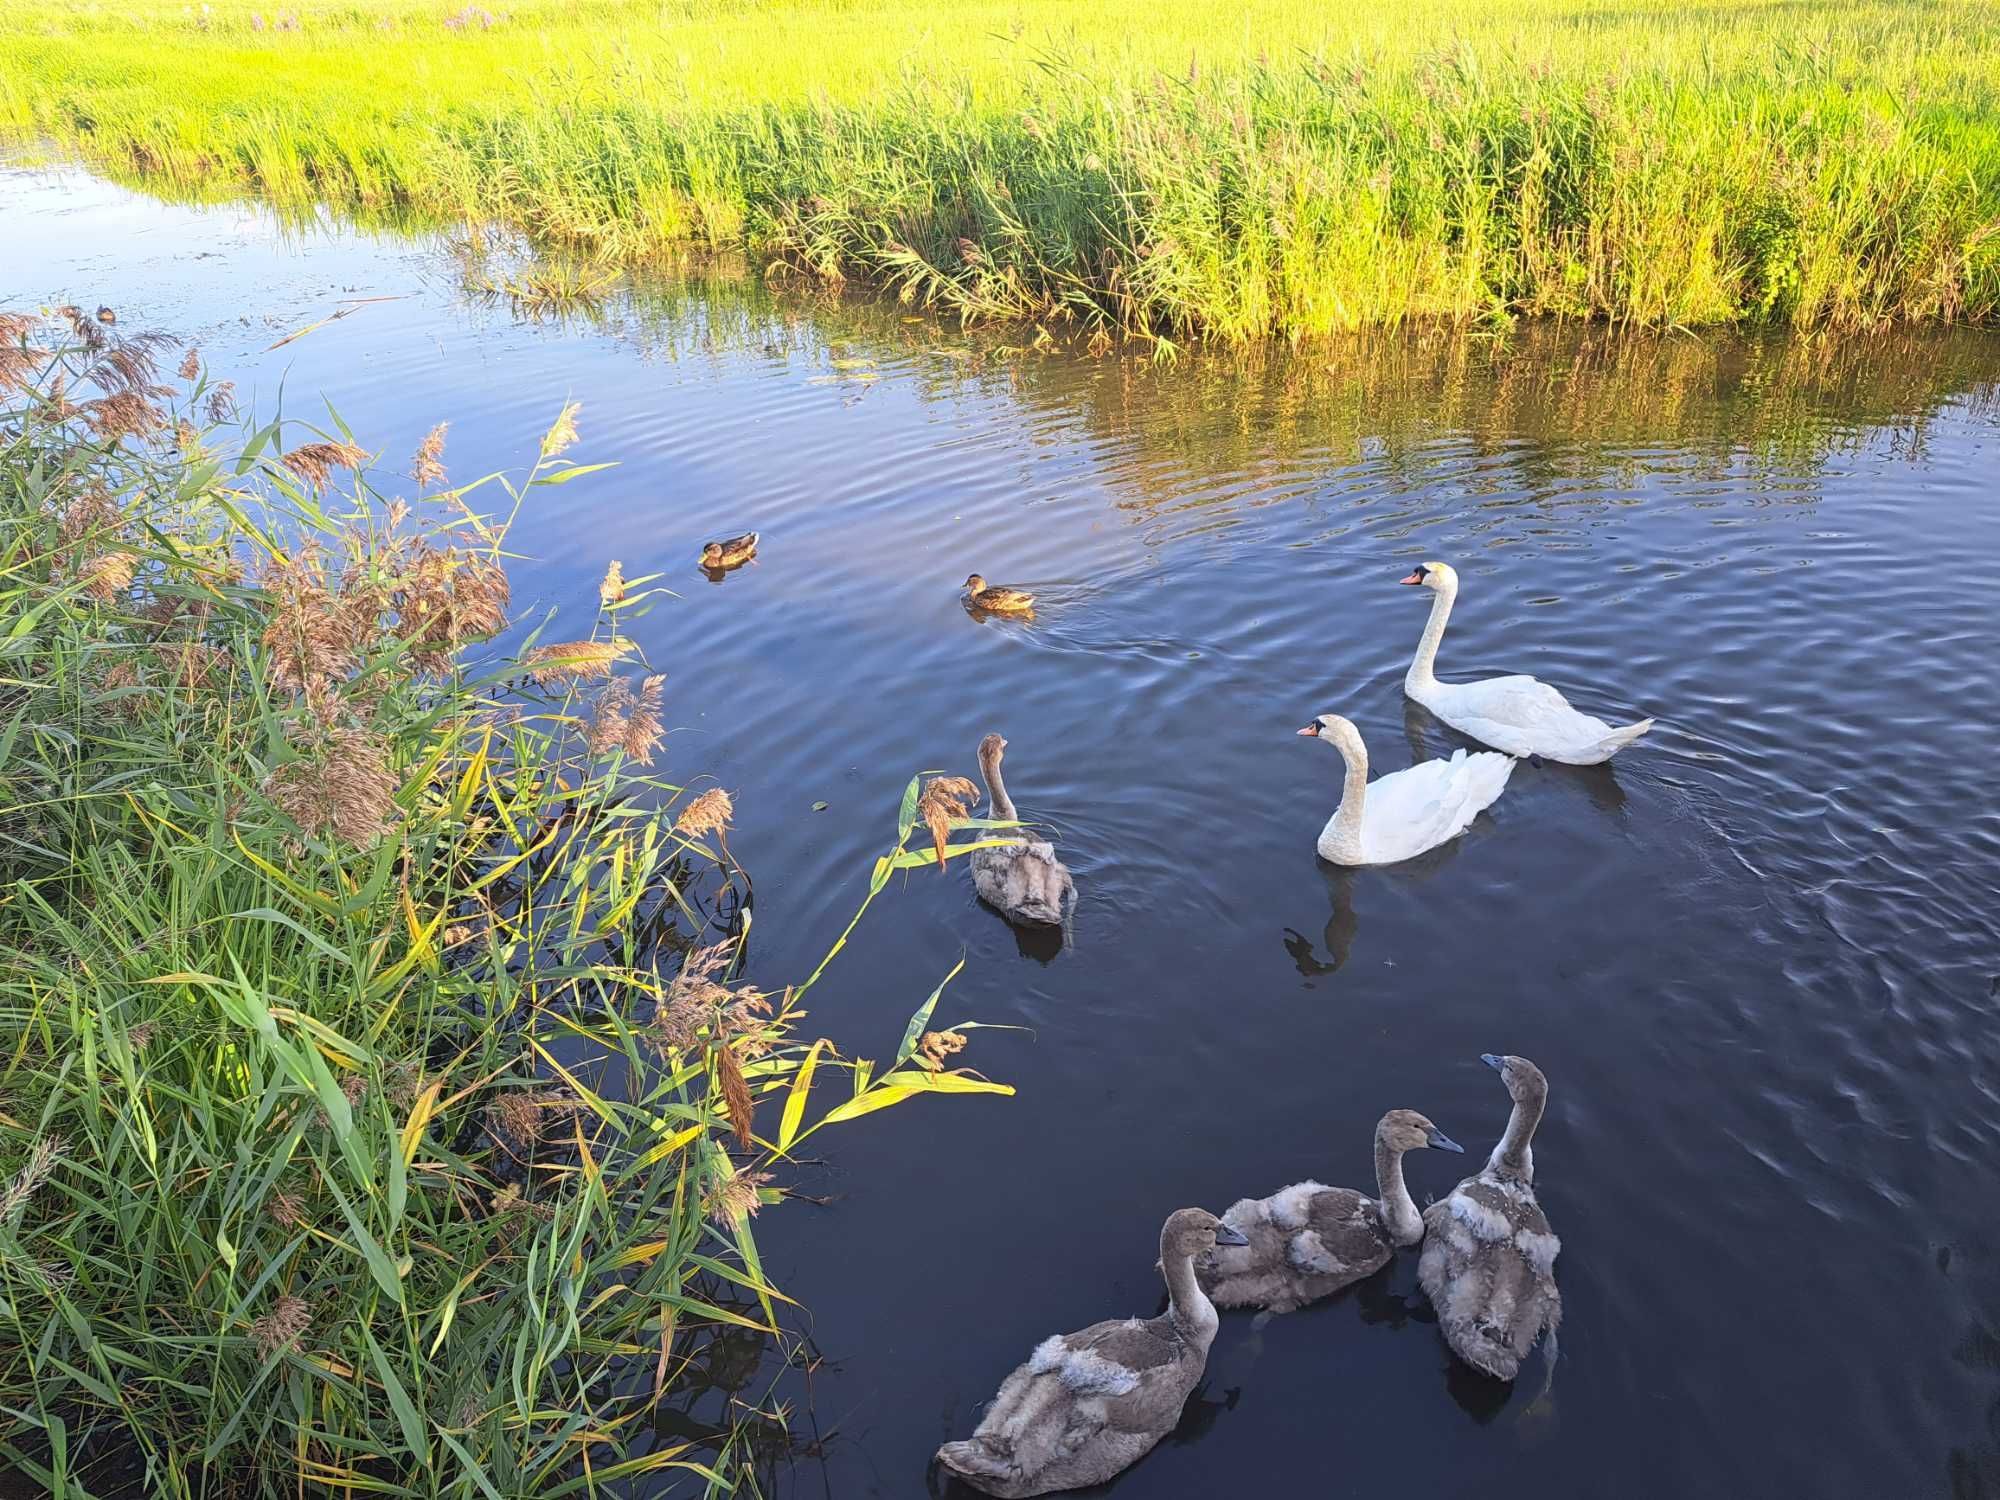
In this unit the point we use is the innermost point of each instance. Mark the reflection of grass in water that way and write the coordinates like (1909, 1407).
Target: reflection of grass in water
(1234, 168)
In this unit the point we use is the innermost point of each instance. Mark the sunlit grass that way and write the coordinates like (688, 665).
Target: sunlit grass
(384, 1105)
(1231, 169)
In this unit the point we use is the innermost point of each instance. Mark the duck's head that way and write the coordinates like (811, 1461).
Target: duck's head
(1523, 1079)
(1433, 575)
(711, 554)
(1406, 1130)
(974, 582)
(1193, 1232)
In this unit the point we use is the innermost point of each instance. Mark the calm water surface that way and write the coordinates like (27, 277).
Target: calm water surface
(1756, 957)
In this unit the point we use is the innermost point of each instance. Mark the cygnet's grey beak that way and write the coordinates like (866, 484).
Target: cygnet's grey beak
(1491, 1061)
(1224, 1235)
(1442, 1142)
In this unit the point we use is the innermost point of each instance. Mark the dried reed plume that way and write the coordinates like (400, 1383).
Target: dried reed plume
(935, 1047)
(446, 598)
(313, 636)
(612, 590)
(732, 1199)
(572, 661)
(946, 798)
(696, 1001)
(190, 364)
(315, 462)
(708, 813)
(140, 1037)
(107, 575)
(563, 434)
(736, 1100)
(123, 414)
(286, 1208)
(221, 402)
(427, 468)
(340, 787)
(282, 1326)
(626, 720)
(42, 1159)
(608, 717)
(18, 358)
(643, 731)
(516, 1115)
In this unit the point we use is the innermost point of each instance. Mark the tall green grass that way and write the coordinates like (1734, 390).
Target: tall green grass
(382, 1106)
(1230, 170)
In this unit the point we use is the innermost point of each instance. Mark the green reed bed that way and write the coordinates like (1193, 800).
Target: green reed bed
(1220, 169)
(383, 1109)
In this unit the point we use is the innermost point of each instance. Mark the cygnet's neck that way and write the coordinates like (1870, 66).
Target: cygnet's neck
(1189, 1306)
(1421, 676)
(996, 789)
(1399, 1210)
(1513, 1155)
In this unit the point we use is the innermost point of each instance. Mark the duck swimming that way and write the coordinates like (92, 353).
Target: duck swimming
(996, 598)
(1489, 1261)
(1308, 1241)
(1089, 1405)
(730, 553)
(1518, 715)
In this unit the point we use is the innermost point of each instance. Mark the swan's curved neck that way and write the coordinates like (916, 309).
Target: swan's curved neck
(996, 789)
(1514, 1155)
(1399, 1210)
(1421, 674)
(1191, 1310)
(1346, 827)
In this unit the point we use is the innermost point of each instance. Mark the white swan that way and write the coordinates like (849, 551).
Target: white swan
(1400, 815)
(1519, 715)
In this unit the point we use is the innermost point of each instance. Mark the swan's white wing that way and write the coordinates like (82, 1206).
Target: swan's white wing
(1410, 811)
(1525, 716)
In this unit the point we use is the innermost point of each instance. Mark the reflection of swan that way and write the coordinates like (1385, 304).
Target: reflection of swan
(1090, 1404)
(1489, 1258)
(1518, 715)
(1341, 926)
(1399, 816)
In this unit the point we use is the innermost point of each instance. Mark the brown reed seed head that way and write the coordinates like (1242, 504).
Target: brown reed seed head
(736, 1100)
(516, 1117)
(191, 364)
(732, 1199)
(107, 575)
(643, 731)
(708, 813)
(287, 1208)
(608, 717)
(612, 590)
(946, 798)
(427, 467)
(340, 788)
(123, 414)
(935, 1047)
(562, 435)
(282, 1326)
(221, 402)
(313, 636)
(572, 661)
(315, 462)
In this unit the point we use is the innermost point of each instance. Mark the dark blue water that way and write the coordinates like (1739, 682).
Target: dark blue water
(1756, 956)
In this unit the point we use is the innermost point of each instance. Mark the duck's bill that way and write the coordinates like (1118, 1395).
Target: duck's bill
(1224, 1235)
(1442, 1142)
(1311, 730)
(1416, 578)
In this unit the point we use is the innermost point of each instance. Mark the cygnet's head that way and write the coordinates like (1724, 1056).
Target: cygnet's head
(1523, 1079)
(1434, 575)
(1194, 1232)
(1339, 732)
(990, 750)
(1406, 1130)
(974, 582)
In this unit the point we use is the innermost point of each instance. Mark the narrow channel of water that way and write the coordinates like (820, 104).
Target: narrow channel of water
(1756, 956)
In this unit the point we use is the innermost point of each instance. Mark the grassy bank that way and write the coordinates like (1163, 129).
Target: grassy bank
(1223, 169)
(384, 1106)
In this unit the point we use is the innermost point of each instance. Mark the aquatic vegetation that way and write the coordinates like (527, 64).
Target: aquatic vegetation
(1228, 171)
(383, 1103)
